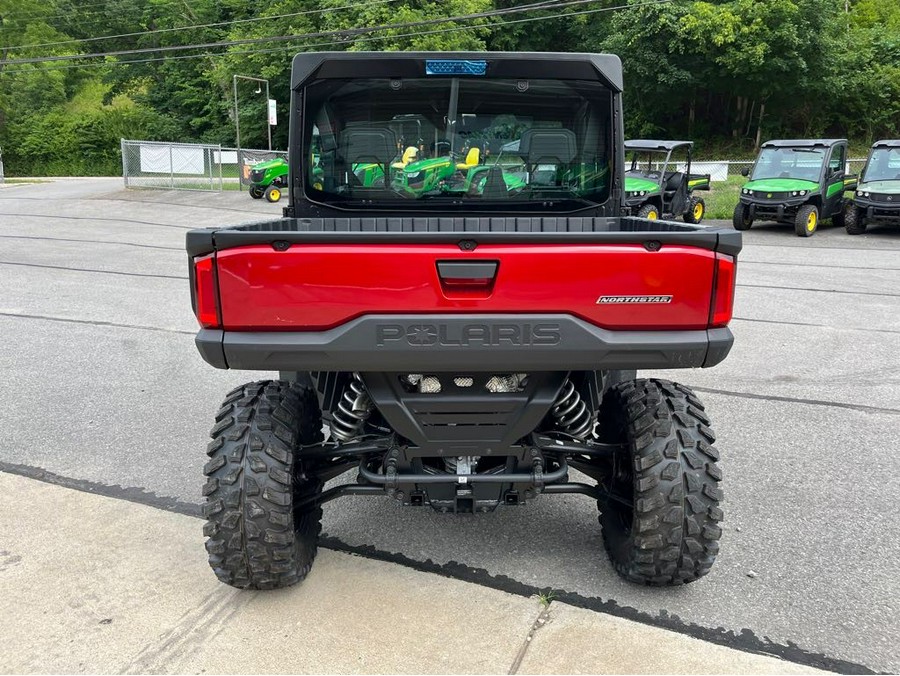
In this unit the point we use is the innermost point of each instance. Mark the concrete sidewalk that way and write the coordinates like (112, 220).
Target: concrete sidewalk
(94, 584)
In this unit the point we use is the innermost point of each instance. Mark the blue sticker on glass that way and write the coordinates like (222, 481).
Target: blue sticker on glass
(455, 67)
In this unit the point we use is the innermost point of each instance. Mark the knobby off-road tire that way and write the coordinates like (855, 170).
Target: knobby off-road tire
(649, 211)
(854, 221)
(741, 220)
(668, 532)
(696, 210)
(807, 221)
(257, 536)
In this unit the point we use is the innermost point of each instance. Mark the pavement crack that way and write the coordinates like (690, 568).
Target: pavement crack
(801, 288)
(96, 322)
(542, 619)
(798, 400)
(815, 326)
(93, 241)
(882, 246)
(105, 198)
(100, 272)
(817, 265)
(97, 218)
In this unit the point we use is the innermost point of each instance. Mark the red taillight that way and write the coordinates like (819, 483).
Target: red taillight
(723, 291)
(207, 309)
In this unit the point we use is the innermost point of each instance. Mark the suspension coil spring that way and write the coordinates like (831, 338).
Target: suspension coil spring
(571, 413)
(352, 411)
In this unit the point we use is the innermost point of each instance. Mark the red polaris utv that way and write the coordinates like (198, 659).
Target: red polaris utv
(461, 343)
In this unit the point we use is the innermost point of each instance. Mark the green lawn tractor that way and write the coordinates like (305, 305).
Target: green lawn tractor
(796, 182)
(454, 173)
(654, 186)
(418, 177)
(877, 197)
(268, 179)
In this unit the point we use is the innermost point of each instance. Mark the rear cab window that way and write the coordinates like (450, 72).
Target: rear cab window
(437, 141)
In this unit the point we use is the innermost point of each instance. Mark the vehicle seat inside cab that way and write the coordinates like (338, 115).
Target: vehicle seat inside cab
(409, 155)
(555, 147)
(473, 157)
(375, 145)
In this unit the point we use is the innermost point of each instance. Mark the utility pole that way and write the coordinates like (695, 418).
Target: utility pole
(237, 118)
(237, 121)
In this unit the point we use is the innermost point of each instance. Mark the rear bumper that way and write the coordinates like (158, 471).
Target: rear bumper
(476, 342)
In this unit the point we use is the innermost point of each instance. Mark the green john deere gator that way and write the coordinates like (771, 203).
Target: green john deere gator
(654, 185)
(796, 182)
(877, 197)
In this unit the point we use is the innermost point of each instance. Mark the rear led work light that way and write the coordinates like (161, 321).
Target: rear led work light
(207, 303)
(455, 67)
(722, 304)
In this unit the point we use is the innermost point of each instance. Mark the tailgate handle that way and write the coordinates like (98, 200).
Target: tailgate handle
(467, 272)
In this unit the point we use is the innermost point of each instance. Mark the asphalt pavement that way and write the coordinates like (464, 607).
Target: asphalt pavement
(105, 391)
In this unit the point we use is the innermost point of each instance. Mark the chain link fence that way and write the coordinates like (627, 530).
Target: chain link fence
(1, 165)
(171, 166)
(722, 170)
(189, 166)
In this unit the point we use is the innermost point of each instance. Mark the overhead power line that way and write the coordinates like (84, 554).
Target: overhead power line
(345, 34)
(96, 21)
(205, 25)
(73, 7)
(454, 29)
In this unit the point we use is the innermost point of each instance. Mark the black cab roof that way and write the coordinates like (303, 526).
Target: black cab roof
(804, 143)
(549, 65)
(649, 144)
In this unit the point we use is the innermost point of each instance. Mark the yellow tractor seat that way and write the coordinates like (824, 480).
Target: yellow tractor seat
(409, 155)
(472, 159)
